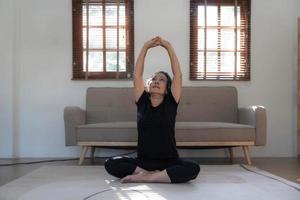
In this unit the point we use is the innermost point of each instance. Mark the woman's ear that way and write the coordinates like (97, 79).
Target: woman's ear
(166, 92)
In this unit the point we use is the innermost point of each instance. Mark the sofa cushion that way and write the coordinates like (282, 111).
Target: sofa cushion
(213, 131)
(108, 132)
(208, 104)
(203, 104)
(185, 132)
(110, 105)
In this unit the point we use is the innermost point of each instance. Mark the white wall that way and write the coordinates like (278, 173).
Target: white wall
(6, 79)
(36, 60)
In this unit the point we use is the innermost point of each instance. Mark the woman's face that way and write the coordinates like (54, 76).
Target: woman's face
(158, 84)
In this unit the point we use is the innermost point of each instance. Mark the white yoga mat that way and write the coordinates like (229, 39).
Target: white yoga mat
(215, 182)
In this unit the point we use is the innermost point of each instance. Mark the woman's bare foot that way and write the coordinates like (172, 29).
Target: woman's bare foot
(152, 172)
(141, 177)
(141, 170)
(148, 177)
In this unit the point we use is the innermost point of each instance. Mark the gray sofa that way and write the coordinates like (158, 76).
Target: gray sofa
(207, 116)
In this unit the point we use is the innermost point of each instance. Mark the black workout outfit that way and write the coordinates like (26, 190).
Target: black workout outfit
(156, 143)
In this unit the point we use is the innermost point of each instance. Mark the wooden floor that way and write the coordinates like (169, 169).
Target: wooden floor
(288, 168)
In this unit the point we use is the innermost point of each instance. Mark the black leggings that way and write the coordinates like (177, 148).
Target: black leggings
(178, 170)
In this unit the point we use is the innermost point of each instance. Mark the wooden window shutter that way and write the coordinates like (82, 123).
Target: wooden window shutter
(103, 44)
(220, 40)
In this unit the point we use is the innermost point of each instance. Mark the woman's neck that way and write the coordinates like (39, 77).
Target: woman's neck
(156, 99)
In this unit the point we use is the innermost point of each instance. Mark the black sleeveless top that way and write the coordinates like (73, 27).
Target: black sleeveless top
(156, 128)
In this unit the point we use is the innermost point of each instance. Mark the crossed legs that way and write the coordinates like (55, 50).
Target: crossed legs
(135, 170)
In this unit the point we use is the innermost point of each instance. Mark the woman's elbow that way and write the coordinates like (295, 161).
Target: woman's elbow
(178, 75)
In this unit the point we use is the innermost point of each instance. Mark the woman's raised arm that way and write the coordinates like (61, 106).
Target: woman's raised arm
(138, 81)
(177, 75)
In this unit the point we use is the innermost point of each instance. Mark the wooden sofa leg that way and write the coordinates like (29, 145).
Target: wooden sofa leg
(82, 154)
(93, 148)
(231, 154)
(247, 154)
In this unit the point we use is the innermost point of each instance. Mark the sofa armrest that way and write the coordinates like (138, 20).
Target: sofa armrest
(255, 116)
(73, 117)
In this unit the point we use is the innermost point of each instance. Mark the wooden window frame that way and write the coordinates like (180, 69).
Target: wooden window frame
(245, 7)
(78, 68)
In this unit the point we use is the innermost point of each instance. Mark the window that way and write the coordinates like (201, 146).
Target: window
(220, 40)
(103, 45)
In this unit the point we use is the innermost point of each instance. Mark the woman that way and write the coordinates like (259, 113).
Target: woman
(157, 158)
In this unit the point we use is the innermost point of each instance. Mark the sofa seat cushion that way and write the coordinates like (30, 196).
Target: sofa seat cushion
(108, 132)
(185, 132)
(213, 131)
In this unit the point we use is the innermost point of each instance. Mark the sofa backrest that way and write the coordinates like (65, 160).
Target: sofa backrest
(208, 104)
(196, 104)
(110, 104)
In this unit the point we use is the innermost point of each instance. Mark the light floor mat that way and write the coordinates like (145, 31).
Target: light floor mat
(216, 182)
